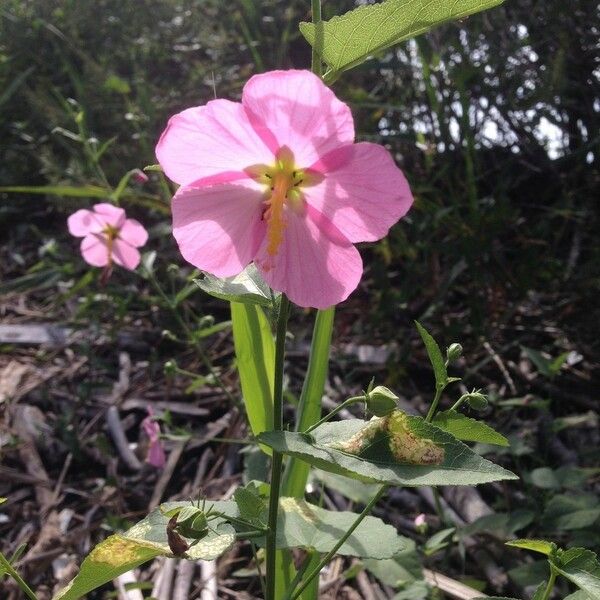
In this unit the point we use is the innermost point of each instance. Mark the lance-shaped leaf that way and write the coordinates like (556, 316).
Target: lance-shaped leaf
(348, 40)
(468, 430)
(255, 360)
(248, 287)
(459, 464)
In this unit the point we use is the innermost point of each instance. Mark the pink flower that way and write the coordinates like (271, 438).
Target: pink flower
(420, 520)
(156, 452)
(108, 236)
(278, 180)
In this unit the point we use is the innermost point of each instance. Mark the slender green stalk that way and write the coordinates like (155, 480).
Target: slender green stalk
(258, 570)
(8, 568)
(316, 65)
(550, 584)
(335, 411)
(293, 595)
(458, 403)
(434, 405)
(190, 334)
(271, 546)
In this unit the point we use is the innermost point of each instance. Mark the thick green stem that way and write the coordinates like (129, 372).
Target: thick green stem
(335, 411)
(315, 572)
(317, 49)
(271, 546)
(550, 584)
(434, 404)
(8, 568)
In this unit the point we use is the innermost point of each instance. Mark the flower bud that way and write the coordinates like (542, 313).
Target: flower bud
(475, 400)
(381, 401)
(454, 352)
(170, 367)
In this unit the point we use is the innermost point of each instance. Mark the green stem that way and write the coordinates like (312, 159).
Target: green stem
(190, 334)
(316, 65)
(271, 545)
(8, 568)
(315, 572)
(335, 411)
(550, 584)
(458, 403)
(258, 569)
(434, 404)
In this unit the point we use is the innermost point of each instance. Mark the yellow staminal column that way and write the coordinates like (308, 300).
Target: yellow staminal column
(275, 213)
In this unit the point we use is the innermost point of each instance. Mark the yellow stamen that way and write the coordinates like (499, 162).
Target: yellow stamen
(274, 215)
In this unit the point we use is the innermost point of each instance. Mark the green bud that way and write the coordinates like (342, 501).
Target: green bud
(454, 352)
(170, 367)
(381, 401)
(476, 400)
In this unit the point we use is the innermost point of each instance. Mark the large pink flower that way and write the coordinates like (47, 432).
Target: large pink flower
(277, 179)
(108, 236)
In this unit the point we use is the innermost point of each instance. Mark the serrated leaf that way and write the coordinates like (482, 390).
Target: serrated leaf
(581, 567)
(248, 287)
(251, 505)
(541, 546)
(435, 357)
(467, 429)
(348, 40)
(460, 466)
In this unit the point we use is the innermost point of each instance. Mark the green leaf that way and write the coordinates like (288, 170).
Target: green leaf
(581, 567)
(248, 287)
(578, 595)
(468, 430)
(348, 40)
(435, 357)
(539, 592)
(568, 512)
(308, 526)
(255, 359)
(357, 491)
(549, 367)
(251, 505)
(84, 191)
(541, 546)
(144, 541)
(304, 525)
(309, 407)
(460, 466)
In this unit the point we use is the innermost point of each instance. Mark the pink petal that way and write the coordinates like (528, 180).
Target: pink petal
(94, 249)
(296, 109)
(125, 255)
(219, 228)
(134, 233)
(208, 140)
(315, 265)
(84, 221)
(110, 214)
(363, 192)
(156, 455)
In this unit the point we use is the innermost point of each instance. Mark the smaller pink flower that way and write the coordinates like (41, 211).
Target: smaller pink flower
(420, 520)
(108, 236)
(156, 452)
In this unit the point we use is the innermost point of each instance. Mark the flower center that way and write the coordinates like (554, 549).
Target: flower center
(284, 182)
(111, 233)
